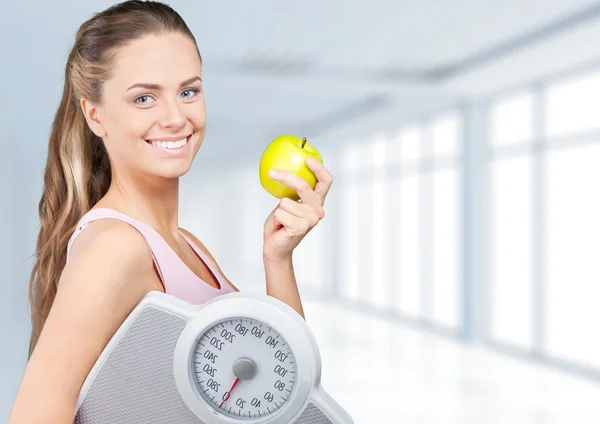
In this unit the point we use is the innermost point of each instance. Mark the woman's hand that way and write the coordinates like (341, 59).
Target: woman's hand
(291, 220)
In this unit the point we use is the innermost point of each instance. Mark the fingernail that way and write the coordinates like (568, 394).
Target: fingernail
(272, 173)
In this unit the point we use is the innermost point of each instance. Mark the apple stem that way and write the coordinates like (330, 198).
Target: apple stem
(303, 141)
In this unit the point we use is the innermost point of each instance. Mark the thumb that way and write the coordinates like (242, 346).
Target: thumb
(271, 223)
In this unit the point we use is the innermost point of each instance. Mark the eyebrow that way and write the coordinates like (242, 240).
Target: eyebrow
(158, 87)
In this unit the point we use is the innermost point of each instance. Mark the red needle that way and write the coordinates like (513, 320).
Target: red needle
(227, 394)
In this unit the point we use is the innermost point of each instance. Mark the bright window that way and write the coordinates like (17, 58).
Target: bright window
(511, 119)
(446, 247)
(409, 254)
(349, 243)
(573, 106)
(410, 142)
(573, 248)
(446, 134)
(510, 267)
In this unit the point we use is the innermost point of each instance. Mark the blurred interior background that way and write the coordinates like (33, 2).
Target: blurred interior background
(455, 278)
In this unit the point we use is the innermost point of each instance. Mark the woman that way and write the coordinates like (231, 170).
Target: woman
(129, 124)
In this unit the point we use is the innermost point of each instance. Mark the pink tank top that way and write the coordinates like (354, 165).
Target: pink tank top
(178, 280)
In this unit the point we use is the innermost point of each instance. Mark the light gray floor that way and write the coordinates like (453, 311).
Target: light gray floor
(388, 373)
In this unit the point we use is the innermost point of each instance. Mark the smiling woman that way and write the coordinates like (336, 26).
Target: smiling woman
(151, 108)
(130, 123)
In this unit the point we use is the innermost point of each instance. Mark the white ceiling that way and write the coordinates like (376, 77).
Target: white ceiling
(361, 40)
(282, 66)
(367, 36)
(331, 68)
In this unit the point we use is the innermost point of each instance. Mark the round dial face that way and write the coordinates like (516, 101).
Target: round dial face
(244, 369)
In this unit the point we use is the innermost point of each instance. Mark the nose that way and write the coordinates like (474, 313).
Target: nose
(172, 116)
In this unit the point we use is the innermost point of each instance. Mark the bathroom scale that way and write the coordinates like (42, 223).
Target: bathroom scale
(239, 358)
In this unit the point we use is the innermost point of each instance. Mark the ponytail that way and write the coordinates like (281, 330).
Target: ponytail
(77, 175)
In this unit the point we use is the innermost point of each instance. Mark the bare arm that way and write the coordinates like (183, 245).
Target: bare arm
(281, 283)
(109, 272)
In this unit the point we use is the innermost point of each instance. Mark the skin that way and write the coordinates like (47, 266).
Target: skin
(94, 299)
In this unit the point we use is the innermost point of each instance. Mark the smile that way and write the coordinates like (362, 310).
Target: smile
(170, 144)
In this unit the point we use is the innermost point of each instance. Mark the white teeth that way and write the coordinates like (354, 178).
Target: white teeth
(170, 144)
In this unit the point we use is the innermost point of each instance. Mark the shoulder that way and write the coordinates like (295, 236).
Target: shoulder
(111, 255)
(111, 269)
(110, 239)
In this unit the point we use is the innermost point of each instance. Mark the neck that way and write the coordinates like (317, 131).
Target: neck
(152, 200)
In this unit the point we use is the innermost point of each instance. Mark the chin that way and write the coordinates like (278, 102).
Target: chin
(174, 171)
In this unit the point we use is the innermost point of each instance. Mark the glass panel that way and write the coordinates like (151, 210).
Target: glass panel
(410, 140)
(364, 228)
(511, 119)
(407, 266)
(447, 135)
(379, 146)
(393, 153)
(510, 292)
(572, 106)
(350, 156)
(349, 243)
(379, 246)
(447, 237)
(573, 246)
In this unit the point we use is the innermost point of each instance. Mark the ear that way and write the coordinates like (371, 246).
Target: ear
(90, 111)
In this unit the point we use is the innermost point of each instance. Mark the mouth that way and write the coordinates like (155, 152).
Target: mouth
(170, 144)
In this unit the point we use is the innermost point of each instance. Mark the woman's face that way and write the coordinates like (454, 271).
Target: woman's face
(153, 112)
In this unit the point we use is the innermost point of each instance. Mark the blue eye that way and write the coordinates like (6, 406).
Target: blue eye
(142, 97)
(193, 90)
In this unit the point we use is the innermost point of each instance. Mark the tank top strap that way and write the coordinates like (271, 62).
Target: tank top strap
(157, 245)
(176, 277)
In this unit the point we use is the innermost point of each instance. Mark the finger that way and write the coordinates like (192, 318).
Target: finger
(271, 223)
(292, 225)
(300, 185)
(303, 211)
(293, 207)
(283, 217)
(324, 178)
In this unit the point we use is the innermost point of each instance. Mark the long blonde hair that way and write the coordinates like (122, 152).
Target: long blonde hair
(78, 170)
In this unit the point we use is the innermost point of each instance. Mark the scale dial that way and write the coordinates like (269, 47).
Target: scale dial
(244, 369)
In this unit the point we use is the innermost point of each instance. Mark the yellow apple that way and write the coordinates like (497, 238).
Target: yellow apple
(289, 153)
